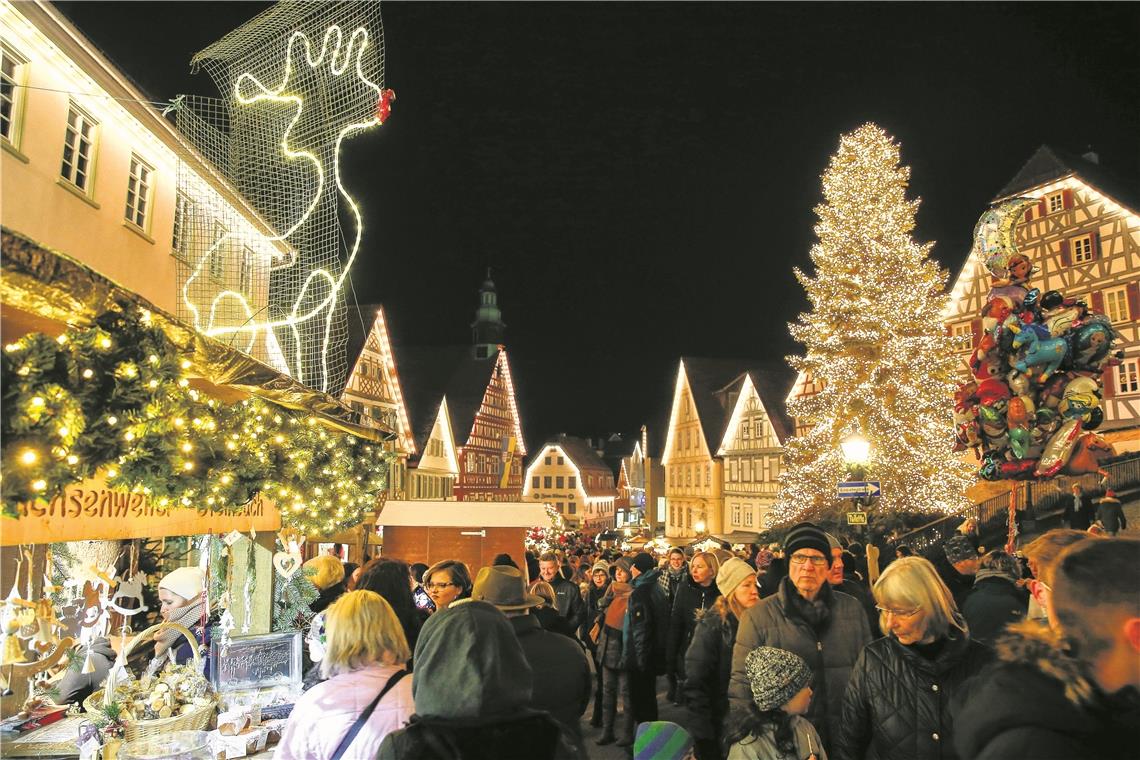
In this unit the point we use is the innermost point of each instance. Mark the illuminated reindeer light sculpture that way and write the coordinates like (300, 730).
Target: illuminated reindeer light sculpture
(301, 79)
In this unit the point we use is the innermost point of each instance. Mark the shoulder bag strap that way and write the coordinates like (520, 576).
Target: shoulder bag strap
(364, 716)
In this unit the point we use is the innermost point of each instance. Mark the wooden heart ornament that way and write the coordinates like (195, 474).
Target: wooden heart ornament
(286, 564)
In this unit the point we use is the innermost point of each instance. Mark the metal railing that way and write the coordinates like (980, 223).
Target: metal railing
(1039, 500)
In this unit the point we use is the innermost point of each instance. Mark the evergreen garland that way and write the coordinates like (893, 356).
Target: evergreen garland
(291, 601)
(115, 397)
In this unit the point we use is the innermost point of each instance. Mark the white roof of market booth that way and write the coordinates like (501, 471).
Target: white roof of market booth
(463, 514)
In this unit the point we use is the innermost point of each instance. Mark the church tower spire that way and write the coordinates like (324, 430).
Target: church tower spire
(488, 328)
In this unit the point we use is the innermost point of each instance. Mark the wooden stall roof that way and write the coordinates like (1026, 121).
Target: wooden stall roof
(485, 514)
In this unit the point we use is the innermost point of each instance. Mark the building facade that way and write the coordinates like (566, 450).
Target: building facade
(490, 457)
(1083, 238)
(752, 450)
(570, 476)
(90, 168)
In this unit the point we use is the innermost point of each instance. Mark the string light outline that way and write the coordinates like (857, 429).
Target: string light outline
(334, 39)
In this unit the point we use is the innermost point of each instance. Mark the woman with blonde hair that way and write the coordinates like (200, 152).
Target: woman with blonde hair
(695, 595)
(547, 614)
(366, 695)
(897, 703)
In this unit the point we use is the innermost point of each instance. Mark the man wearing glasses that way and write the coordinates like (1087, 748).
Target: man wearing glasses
(827, 628)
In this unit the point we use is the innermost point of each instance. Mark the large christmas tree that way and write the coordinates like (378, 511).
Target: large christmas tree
(875, 339)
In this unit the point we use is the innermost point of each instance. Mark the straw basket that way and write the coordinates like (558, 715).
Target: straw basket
(193, 720)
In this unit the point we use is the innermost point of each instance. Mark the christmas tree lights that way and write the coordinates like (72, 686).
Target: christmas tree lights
(875, 339)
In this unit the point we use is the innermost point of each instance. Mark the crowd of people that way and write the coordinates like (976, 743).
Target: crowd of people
(778, 653)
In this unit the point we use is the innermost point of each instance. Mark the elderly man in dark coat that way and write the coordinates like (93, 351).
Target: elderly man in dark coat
(806, 616)
(562, 682)
(996, 600)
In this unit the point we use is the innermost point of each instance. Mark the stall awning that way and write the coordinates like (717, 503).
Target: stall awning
(41, 284)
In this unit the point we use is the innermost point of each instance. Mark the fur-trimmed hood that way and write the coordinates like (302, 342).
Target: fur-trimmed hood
(1040, 647)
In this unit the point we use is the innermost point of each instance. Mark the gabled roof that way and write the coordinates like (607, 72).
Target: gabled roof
(1048, 164)
(708, 382)
(365, 321)
(772, 385)
(581, 454)
(432, 372)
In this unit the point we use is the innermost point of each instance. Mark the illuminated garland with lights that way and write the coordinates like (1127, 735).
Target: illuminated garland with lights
(875, 340)
(115, 397)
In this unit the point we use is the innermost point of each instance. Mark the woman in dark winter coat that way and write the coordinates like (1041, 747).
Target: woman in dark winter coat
(897, 703)
(695, 595)
(708, 662)
(599, 585)
(612, 655)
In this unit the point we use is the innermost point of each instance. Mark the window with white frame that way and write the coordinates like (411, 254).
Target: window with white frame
(963, 336)
(217, 253)
(184, 209)
(1116, 304)
(1128, 374)
(1056, 202)
(11, 76)
(748, 518)
(78, 148)
(736, 514)
(245, 276)
(139, 183)
(1082, 249)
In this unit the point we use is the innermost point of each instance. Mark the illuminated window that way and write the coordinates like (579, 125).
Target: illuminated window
(245, 276)
(78, 148)
(1116, 304)
(1056, 202)
(139, 183)
(217, 256)
(1082, 249)
(184, 210)
(11, 74)
(963, 336)
(1129, 376)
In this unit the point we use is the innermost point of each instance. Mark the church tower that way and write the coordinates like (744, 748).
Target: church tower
(488, 329)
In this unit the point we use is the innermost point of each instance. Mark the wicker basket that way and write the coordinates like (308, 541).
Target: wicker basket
(193, 720)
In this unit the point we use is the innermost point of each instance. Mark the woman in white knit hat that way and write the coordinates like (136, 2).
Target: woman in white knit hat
(708, 661)
(182, 599)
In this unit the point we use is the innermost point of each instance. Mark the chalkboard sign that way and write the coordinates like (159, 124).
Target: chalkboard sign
(254, 662)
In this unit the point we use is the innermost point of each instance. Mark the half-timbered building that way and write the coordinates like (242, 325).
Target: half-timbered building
(372, 389)
(752, 448)
(1083, 238)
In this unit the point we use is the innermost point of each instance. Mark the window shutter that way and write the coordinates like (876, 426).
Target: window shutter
(976, 329)
(1042, 209)
(949, 329)
(1108, 384)
(1133, 291)
(1066, 259)
(1094, 239)
(1067, 198)
(1097, 298)
(1028, 215)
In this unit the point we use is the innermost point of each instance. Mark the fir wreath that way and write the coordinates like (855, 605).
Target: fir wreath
(115, 397)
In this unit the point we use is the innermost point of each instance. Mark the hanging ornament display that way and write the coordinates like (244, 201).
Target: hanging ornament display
(1037, 369)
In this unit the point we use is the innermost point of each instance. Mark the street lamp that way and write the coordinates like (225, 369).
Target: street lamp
(699, 526)
(856, 451)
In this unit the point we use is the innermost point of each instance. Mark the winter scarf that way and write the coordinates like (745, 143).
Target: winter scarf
(188, 616)
(816, 613)
(615, 612)
(991, 573)
(670, 578)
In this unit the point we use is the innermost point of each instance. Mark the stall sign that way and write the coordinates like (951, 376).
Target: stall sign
(256, 662)
(92, 511)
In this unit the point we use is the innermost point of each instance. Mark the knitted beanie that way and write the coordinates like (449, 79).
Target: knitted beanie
(187, 582)
(807, 536)
(644, 562)
(732, 574)
(958, 549)
(625, 563)
(600, 566)
(776, 676)
(661, 740)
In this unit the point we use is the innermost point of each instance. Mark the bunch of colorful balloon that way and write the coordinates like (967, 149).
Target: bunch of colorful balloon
(1037, 368)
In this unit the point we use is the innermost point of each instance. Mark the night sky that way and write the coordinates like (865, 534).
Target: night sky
(641, 177)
